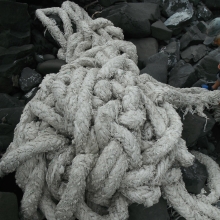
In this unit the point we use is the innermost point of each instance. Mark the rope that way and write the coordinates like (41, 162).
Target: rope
(97, 136)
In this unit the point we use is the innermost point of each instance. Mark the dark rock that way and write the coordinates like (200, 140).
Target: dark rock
(195, 2)
(7, 101)
(15, 53)
(6, 86)
(28, 96)
(207, 68)
(156, 212)
(194, 53)
(146, 47)
(152, 1)
(202, 26)
(212, 4)
(173, 52)
(42, 45)
(160, 31)
(107, 3)
(194, 177)
(15, 68)
(203, 13)
(170, 7)
(133, 18)
(39, 58)
(8, 206)
(203, 142)
(5, 141)
(50, 66)
(179, 20)
(182, 75)
(8, 184)
(195, 126)
(192, 37)
(29, 79)
(199, 83)
(48, 57)
(15, 24)
(156, 66)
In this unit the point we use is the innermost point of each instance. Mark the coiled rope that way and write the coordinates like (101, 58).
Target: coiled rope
(98, 136)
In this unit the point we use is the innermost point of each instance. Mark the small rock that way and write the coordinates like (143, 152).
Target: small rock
(156, 66)
(156, 212)
(29, 95)
(192, 37)
(29, 79)
(193, 127)
(160, 31)
(202, 26)
(182, 75)
(8, 206)
(48, 57)
(194, 177)
(179, 20)
(146, 47)
(50, 66)
(203, 13)
(173, 52)
(39, 58)
(199, 83)
(194, 53)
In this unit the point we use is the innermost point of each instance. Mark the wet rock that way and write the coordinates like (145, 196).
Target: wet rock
(203, 13)
(8, 206)
(207, 68)
(192, 37)
(156, 212)
(194, 53)
(182, 75)
(156, 66)
(179, 20)
(146, 47)
(29, 79)
(160, 31)
(170, 7)
(50, 66)
(8, 101)
(39, 58)
(133, 18)
(193, 127)
(194, 177)
(15, 24)
(173, 52)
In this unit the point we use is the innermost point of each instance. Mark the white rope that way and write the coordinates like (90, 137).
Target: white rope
(97, 136)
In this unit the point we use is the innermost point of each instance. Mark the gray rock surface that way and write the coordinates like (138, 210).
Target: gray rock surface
(203, 13)
(160, 31)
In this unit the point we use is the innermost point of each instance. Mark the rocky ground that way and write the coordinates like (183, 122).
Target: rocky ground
(169, 37)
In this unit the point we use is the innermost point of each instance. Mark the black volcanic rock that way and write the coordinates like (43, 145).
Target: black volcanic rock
(15, 24)
(160, 31)
(133, 18)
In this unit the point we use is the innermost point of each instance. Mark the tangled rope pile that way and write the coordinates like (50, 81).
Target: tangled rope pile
(98, 136)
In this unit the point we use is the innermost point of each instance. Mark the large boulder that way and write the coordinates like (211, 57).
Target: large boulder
(192, 37)
(194, 53)
(160, 31)
(207, 67)
(133, 18)
(15, 24)
(146, 47)
(156, 212)
(182, 75)
(156, 66)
